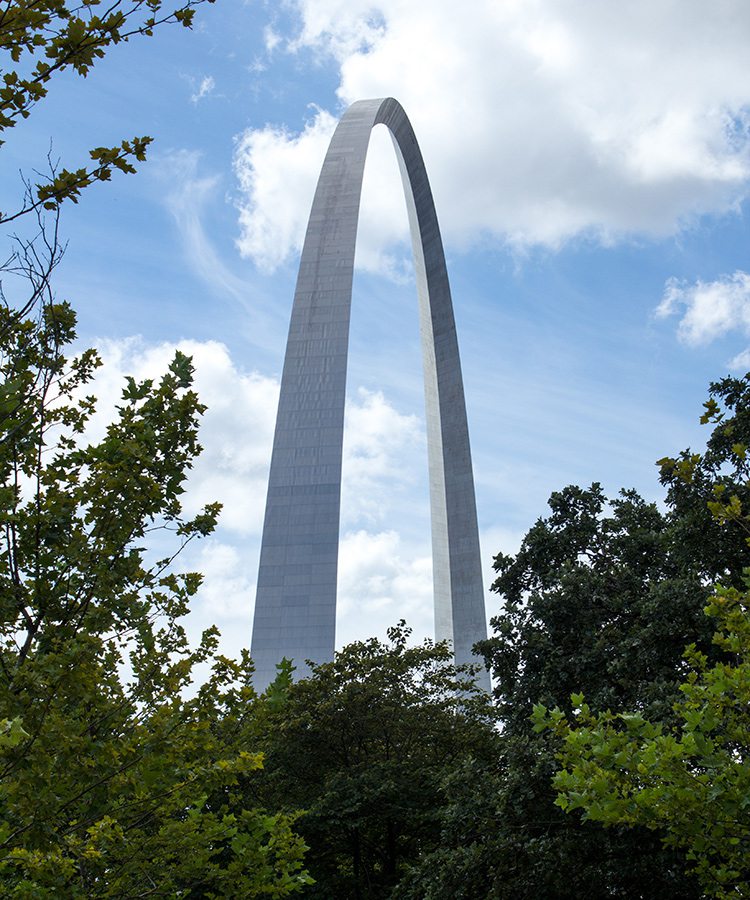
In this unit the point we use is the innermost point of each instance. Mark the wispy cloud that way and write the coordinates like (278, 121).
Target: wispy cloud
(741, 362)
(206, 87)
(271, 39)
(188, 199)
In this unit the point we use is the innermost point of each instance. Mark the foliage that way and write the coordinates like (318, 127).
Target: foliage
(112, 784)
(41, 39)
(501, 838)
(689, 777)
(602, 598)
(117, 778)
(690, 781)
(710, 491)
(364, 746)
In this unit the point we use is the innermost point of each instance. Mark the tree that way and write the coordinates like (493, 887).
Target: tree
(691, 781)
(709, 490)
(502, 838)
(112, 782)
(688, 776)
(117, 777)
(601, 598)
(364, 746)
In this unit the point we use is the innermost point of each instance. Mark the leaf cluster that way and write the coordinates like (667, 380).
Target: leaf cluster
(601, 599)
(684, 776)
(690, 782)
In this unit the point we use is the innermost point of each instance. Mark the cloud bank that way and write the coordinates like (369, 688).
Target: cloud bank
(384, 575)
(540, 122)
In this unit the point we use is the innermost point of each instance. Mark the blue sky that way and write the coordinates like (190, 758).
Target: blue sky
(590, 165)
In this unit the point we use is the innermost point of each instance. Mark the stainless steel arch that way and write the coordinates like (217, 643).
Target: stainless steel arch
(295, 607)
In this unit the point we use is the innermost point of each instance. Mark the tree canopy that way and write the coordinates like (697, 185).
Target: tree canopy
(363, 746)
(689, 782)
(602, 598)
(119, 777)
(686, 777)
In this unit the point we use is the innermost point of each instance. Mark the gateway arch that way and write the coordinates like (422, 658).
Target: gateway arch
(295, 607)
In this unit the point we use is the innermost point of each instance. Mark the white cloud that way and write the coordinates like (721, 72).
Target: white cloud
(379, 445)
(187, 199)
(276, 171)
(236, 430)
(271, 39)
(228, 586)
(205, 88)
(382, 580)
(539, 121)
(741, 362)
(358, 27)
(710, 309)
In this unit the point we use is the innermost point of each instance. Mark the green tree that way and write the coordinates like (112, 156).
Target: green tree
(709, 490)
(689, 782)
(502, 838)
(686, 776)
(113, 783)
(601, 598)
(117, 777)
(364, 746)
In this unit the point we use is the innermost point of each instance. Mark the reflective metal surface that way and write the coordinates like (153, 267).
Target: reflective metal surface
(295, 607)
